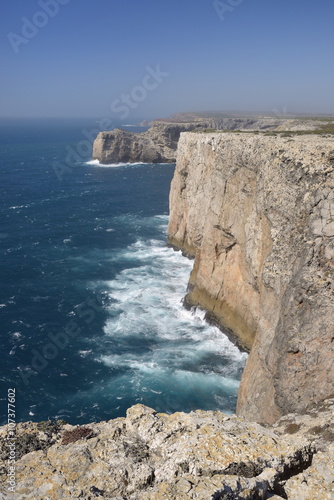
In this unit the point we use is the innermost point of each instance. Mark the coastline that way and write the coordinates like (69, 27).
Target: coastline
(154, 456)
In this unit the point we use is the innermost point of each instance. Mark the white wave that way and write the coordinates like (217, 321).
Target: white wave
(163, 217)
(175, 346)
(92, 162)
(165, 388)
(18, 206)
(114, 165)
(154, 350)
(84, 354)
(17, 335)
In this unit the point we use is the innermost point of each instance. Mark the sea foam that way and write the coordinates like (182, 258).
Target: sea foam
(160, 353)
(96, 163)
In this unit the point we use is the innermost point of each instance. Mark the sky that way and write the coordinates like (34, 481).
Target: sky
(150, 58)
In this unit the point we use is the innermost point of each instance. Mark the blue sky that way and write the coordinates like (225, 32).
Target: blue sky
(90, 57)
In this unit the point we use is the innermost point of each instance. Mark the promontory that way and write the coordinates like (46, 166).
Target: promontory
(254, 208)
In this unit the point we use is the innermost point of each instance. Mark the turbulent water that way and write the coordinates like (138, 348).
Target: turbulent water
(91, 298)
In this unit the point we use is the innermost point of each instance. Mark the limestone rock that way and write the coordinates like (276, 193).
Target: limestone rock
(252, 121)
(159, 143)
(256, 212)
(156, 145)
(202, 455)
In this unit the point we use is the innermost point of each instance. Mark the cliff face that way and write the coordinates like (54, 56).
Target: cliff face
(156, 145)
(159, 143)
(257, 212)
(258, 215)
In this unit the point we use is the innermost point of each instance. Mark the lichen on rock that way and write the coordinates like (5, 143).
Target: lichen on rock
(201, 455)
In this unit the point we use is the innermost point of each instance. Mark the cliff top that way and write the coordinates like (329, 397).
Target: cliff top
(191, 116)
(279, 122)
(155, 456)
(291, 128)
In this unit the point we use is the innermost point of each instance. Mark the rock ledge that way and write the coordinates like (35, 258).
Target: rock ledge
(155, 456)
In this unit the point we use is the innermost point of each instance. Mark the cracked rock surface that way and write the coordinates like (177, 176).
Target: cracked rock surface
(155, 456)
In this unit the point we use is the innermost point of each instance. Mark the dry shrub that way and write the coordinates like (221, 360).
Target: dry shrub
(76, 434)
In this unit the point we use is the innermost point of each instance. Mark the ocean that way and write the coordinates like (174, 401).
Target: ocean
(92, 319)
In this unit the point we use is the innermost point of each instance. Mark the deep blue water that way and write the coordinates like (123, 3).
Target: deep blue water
(91, 298)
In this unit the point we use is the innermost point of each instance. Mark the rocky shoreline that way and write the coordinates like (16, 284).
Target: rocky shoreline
(257, 214)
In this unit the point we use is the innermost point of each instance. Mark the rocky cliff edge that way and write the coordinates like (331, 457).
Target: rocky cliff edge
(159, 143)
(154, 456)
(257, 213)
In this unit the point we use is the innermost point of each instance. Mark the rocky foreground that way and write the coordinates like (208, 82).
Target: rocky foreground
(155, 456)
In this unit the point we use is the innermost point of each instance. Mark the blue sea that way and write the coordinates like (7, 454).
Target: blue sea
(92, 319)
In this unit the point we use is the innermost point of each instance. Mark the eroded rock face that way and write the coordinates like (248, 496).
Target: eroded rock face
(154, 456)
(257, 213)
(156, 145)
(159, 143)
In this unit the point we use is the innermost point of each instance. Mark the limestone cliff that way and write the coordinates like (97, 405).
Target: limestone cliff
(156, 145)
(257, 212)
(159, 143)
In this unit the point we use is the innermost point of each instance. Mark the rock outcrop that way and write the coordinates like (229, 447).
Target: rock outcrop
(154, 456)
(159, 143)
(156, 145)
(257, 213)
